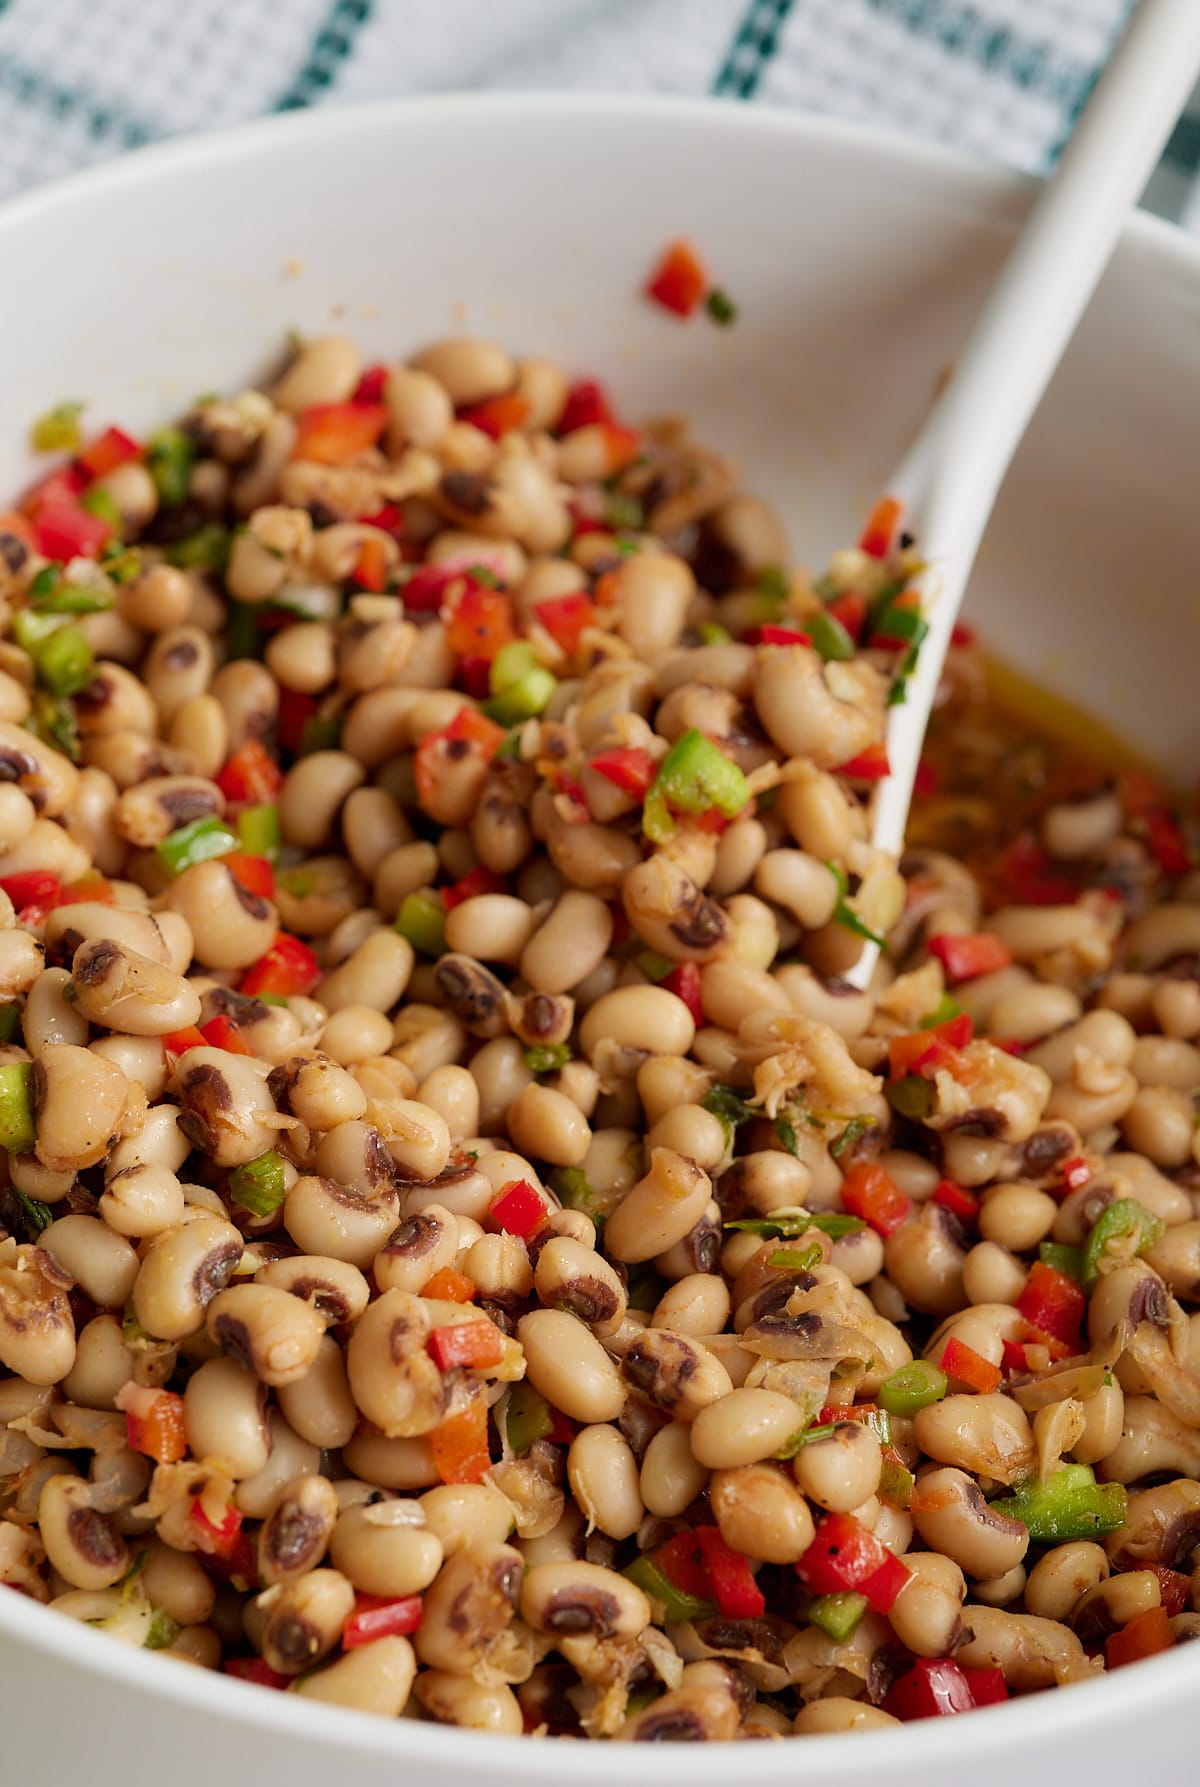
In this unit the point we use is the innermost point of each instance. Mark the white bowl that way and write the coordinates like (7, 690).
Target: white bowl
(857, 263)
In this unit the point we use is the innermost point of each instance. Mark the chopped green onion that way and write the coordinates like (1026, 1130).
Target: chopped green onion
(720, 307)
(791, 1259)
(913, 1387)
(845, 915)
(670, 1605)
(854, 1131)
(119, 562)
(547, 1057)
(18, 1131)
(169, 458)
(259, 1186)
(44, 584)
(1067, 1505)
(58, 430)
(205, 550)
(10, 1018)
(68, 598)
(785, 1130)
(198, 842)
(787, 1224)
(574, 1191)
(913, 1096)
(1067, 1260)
(523, 700)
(713, 633)
(1127, 1227)
(836, 1615)
(54, 721)
(896, 1483)
(31, 630)
(730, 1107)
(480, 574)
(64, 661)
(653, 966)
(422, 919)
(163, 1631)
(528, 1417)
(830, 638)
(99, 502)
(258, 831)
(946, 1008)
(35, 1215)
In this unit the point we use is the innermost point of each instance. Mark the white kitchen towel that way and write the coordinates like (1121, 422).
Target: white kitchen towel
(1000, 79)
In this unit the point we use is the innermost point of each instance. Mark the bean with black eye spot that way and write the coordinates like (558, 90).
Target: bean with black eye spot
(295, 1534)
(578, 1599)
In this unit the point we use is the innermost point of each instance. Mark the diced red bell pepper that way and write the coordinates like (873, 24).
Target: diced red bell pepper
(427, 587)
(63, 486)
(870, 765)
(253, 1669)
(217, 1536)
(388, 518)
(868, 1191)
(1023, 870)
(845, 1554)
(850, 611)
(1168, 846)
(369, 388)
(519, 1209)
(962, 1362)
(254, 873)
(468, 727)
(251, 777)
(773, 635)
(1075, 1172)
(375, 1617)
(180, 1041)
(587, 403)
(566, 618)
(109, 450)
(88, 887)
(1145, 1635)
(1053, 1302)
(682, 1563)
(332, 433)
(64, 531)
(154, 1423)
(1174, 1587)
(964, 1204)
(497, 415)
(967, 957)
(926, 781)
(449, 1286)
(679, 280)
(479, 621)
(474, 677)
(479, 881)
(471, 1345)
(621, 448)
(288, 968)
(460, 1444)
(627, 767)
(737, 1594)
(684, 982)
(883, 524)
(928, 1051)
(370, 567)
(937, 1686)
(33, 887)
(295, 711)
(962, 634)
(1014, 1359)
(222, 1033)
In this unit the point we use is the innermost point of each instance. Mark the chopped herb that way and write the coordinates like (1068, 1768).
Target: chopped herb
(163, 1631)
(720, 307)
(205, 550)
(791, 1259)
(58, 430)
(787, 1224)
(785, 1129)
(10, 1018)
(729, 1106)
(36, 1216)
(845, 915)
(121, 563)
(547, 1057)
(169, 458)
(854, 1131)
(483, 576)
(54, 721)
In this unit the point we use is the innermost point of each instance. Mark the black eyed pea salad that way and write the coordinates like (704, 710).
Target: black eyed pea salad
(466, 1252)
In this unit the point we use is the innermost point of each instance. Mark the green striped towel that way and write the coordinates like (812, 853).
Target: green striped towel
(1000, 79)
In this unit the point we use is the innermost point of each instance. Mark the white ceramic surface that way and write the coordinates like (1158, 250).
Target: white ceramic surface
(857, 264)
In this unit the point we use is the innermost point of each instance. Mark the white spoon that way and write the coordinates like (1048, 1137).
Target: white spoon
(949, 478)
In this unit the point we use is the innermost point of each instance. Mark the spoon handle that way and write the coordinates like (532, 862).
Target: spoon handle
(949, 478)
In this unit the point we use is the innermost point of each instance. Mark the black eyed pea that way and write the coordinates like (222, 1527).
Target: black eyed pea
(272, 1333)
(178, 666)
(745, 1427)
(337, 1291)
(664, 1205)
(395, 1383)
(453, 1093)
(391, 1463)
(468, 1606)
(644, 1020)
(924, 1260)
(355, 1156)
(50, 1018)
(457, 1700)
(180, 1274)
(82, 1544)
(303, 656)
(927, 1613)
(140, 1058)
(841, 1471)
(1059, 1580)
(706, 1707)
(17, 815)
(500, 1072)
(37, 1327)
(859, 1256)
(312, 795)
(69, 926)
(568, 1366)
(294, 1624)
(1001, 1591)
(325, 370)
(1017, 1216)
(224, 1415)
(230, 926)
(835, 1712)
(318, 1091)
(375, 975)
(376, 1678)
(103, 1364)
(603, 1474)
(467, 369)
(760, 1512)
(373, 825)
(671, 1476)
(225, 1107)
(1109, 1605)
(319, 1406)
(672, 915)
(122, 990)
(761, 1182)
(354, 1034)
(289, 1457)
(492, 928)
(549, 1126)
(692, 1131)
(697, 1254)
(420, 412)
(424, 1243)
(499, 1268)
(825, 713)
(386, 1548)
(296, 1532)
(695, 1304)
(665, 1081)
(1032, 1652)
(47, 776)
(415, 1136)
(177, 1582)
(576, 1599)
(147, 813)
(952, 1516)
(991, 1274)
(22, 959)
(989, 1435)
(102, 1264)
(653, 590)
(569, 944)
(463, 1514)
(80, 1099)
(674, 1373)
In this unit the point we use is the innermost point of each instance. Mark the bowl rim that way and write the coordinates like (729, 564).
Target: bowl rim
(1091, 1705)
